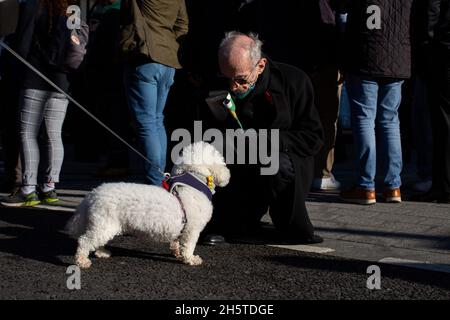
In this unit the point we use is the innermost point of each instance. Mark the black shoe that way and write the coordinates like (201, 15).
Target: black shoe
(211, 240)
(310, 240)
(432, 196)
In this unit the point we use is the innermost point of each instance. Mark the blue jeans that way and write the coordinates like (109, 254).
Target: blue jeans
(147, 86)
(376, 99)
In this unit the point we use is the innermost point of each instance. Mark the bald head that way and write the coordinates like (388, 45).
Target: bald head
(240, 58)
(238, 49)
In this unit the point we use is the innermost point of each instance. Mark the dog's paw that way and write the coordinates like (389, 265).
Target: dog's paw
(83, 262)
(175, 249)
(194, 261)
(102, 253)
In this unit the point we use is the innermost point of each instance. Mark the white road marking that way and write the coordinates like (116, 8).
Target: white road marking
(425, 265)
(54, 208)
(304, 248)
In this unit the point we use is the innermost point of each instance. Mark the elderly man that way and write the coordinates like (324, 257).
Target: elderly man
(268, 95)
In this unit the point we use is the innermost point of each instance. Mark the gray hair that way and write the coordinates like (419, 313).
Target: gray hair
(254, 49)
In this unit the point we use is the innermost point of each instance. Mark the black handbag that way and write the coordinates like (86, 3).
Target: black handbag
(65, 49)
(76, 49)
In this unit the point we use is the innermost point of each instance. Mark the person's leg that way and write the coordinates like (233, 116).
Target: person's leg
(440, 107)
(31, 116)
(238, 208)
(120, 122)
(54, 115)
(422, 132)
(32, 103)
(10, 134)
(327, 92)
(165, 82)
(117, 116)
(363, 96)
(290, 187)
(141, 84)
(389, 97)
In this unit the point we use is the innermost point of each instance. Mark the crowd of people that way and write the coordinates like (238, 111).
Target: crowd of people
(150, 65)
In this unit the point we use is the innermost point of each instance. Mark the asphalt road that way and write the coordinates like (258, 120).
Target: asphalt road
(35, 255)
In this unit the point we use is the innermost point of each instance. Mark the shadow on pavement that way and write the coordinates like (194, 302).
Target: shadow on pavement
(123, 252)
(429, 278)
(388, 234)
(37, 234)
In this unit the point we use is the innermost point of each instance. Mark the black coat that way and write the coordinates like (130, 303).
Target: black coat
(439, 22)
(430, 31)
(9, 15)
(282, 99)
(301, 33)
(419, 37)
(40, 47)
(384, 52)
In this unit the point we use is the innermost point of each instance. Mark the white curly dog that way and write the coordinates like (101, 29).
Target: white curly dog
(176, 217)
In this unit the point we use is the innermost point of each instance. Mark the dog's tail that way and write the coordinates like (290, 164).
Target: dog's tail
(77, 223)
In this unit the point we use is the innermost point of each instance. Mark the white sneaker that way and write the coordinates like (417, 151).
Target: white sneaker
(422, 185)
(326, 184)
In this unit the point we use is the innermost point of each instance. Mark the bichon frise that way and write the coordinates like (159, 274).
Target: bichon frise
(176, 216)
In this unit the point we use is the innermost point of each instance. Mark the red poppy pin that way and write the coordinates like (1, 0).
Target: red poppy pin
(268, 96)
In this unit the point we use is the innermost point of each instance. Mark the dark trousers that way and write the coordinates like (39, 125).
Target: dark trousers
(239, 207)
(327, 90)
(9, 93)
(440, 119)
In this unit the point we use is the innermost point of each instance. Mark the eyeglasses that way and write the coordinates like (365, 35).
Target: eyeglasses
(243, 80)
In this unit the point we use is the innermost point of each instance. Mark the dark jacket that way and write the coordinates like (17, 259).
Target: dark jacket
(419, 37)
(283, 99)
(153, 29)
(104, 68)
(300, 33)
(9, 14)
(41, 46)
(384, 52)
(439, 22)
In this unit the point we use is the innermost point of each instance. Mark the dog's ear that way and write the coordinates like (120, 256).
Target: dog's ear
(221, 174)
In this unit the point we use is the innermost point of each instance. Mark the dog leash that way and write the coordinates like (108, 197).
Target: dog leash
(17, 56)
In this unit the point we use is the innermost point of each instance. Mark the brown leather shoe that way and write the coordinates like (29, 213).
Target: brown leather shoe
(392, 195)
(359, 196)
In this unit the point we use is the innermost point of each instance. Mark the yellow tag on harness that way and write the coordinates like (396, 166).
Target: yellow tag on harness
(209, 182)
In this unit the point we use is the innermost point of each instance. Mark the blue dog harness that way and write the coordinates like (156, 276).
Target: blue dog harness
(188, 180)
